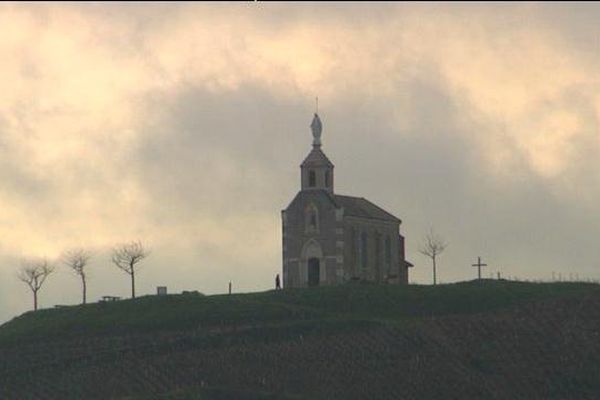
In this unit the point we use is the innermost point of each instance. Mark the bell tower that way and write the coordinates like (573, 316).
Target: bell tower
(316, 169)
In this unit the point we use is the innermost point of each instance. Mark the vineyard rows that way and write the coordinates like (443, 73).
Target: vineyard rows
(549, 349)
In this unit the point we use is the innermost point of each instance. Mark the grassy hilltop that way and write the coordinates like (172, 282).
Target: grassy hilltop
(471, 340)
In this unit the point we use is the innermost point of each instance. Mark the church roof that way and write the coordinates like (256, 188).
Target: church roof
(361, 207)
(353, 206)
(305, 195)
(316, 157)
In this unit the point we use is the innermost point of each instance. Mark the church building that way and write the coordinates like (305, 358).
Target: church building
(330, 239)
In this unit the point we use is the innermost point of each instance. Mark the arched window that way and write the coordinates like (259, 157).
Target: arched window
(388, 252)
(312, 179)
(326, 178)
(313, 221)
(364, 257)
(311, 218)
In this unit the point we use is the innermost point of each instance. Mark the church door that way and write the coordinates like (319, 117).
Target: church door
(313, 272)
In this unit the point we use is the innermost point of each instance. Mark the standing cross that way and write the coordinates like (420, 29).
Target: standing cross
(479, 265)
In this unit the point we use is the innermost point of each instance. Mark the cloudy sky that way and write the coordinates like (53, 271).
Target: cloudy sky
(184, 126)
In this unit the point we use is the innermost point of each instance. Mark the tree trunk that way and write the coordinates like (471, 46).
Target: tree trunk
(434, 274)
(34, 300)
(132, 284)
(84, 288)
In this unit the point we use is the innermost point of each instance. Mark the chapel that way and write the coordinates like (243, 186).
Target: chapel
(331, 239)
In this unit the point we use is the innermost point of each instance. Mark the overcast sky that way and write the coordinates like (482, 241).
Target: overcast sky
(184, 126)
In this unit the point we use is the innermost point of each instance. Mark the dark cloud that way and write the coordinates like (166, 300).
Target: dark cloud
(428, 111)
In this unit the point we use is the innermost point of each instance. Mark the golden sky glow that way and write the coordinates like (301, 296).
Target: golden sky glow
(183, 125)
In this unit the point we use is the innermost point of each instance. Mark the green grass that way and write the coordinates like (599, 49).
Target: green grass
(470, 339)
(400, 302)
(365, 302)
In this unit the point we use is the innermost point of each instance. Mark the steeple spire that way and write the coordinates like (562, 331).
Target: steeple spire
(317, 170)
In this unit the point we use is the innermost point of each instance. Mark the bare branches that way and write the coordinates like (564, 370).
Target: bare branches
(34, 273)
(126, 256)
(433, 245)
(76, 260)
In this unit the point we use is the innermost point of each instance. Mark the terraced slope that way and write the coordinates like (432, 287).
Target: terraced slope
(472, 340)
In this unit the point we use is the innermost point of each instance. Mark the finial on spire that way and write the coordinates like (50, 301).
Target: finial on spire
(317, 105)
(317, 128)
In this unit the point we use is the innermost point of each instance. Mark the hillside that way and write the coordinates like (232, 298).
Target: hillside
(471, 340)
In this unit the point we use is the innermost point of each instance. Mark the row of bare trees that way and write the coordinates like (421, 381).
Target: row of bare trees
(125, 256)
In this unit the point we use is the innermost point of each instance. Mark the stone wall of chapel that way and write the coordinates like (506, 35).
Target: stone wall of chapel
(296, 235)
(402, 269)
(377, 268)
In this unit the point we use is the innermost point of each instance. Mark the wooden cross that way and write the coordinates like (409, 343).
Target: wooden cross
(479, 265)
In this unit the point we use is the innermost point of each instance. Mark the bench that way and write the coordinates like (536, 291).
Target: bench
(110, 298)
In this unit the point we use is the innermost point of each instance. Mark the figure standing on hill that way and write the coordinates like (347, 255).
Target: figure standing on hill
(277, 282)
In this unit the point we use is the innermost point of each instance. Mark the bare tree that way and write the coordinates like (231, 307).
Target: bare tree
(433, 245)
(34, 273)
(76, 260)
(126, 256)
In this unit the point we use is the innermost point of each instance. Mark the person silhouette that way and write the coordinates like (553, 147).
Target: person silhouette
(277, 282)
